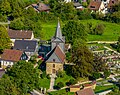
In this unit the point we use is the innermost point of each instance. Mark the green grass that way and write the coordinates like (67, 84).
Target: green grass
(103, 88)
(61, 92)
(65, 79)
(111, 32)
(45, 83)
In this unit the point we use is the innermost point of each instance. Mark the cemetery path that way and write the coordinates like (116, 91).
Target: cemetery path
(102, 42)
(111, 49)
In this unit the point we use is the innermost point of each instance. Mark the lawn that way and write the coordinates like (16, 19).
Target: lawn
(65, 79)
(61, 92)
(111, 32)
(103, 88)
(45, 83)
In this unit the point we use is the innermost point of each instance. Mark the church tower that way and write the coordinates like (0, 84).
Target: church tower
(58, 39)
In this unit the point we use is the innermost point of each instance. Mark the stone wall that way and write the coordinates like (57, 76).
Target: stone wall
(52, 68)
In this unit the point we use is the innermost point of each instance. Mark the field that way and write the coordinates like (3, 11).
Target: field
(111, 32)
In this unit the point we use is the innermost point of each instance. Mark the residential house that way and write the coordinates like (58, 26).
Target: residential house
(75, 88)
(90, 85)
(87, 91)
(97, 6)
(10, 57)
(30, 47)
(56, 57)
(20, 35)
(40, 7)
(77, 5)
(112, 3)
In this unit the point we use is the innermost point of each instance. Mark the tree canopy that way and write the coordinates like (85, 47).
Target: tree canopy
(4, 38)
(21, 78)
(73, 30)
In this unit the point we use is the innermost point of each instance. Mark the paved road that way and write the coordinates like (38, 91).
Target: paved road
(102, 42)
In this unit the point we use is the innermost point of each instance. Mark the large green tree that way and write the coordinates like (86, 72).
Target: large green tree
(73, 30)
(4, 38)
(83, 59)
(24, 76)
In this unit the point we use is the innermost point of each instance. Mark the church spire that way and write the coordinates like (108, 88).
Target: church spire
(58, 33)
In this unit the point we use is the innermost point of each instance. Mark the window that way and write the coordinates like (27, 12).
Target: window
(53, 65)
(53, 60)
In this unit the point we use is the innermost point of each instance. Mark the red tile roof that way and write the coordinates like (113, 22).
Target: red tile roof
(19, 34)
(94, 5)
(60, 53)
(41, 7)
(87, 91)
(11, 55)
(75, 86)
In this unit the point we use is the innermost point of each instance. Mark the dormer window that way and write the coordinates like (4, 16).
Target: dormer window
(113, 2)
(92, 6)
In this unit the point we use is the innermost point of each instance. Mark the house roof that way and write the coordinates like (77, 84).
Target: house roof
(25, 45)
(89, 84)
(75, 86)
(19, 34)
(87, 91)
(58, 52)
(2, 72)
(94, 5)
(112, 2)
(11, 55)
(41, 7)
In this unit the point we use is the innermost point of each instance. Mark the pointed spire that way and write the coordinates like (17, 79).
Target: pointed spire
(58, 33)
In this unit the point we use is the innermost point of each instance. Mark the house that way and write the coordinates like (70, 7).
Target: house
(56, 57)
(30, 47)
(67, 1)
(75, 88)
(110, 4)
(87, 91)
(77, 5)
(10, 57)
(97, 6)
(90, 85)
(20, 34)
(40, 7)
(2, 72)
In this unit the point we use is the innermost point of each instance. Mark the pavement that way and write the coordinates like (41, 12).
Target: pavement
(52, 81)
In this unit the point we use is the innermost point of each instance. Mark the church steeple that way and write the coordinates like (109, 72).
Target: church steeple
(58, 33)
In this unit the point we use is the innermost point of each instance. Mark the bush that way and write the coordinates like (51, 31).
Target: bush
(48, 76)
(60, 85)
(61, 74)
(71, 82)
(106, 73)
(96, 75)
(43, 75)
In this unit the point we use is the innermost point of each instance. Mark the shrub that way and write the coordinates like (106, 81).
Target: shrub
(60, 85)
(61, 74)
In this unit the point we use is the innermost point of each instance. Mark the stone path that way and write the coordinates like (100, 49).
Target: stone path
(52, 81)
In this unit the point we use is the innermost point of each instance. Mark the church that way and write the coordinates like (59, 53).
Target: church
(55, 56)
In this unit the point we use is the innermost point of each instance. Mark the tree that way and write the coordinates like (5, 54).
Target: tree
(7, 87)
(82, 58)
(99, 29)
(5, 7)
(73, 30)
(24, 76)
(106, 73)
(4, 39)
(96, 75)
